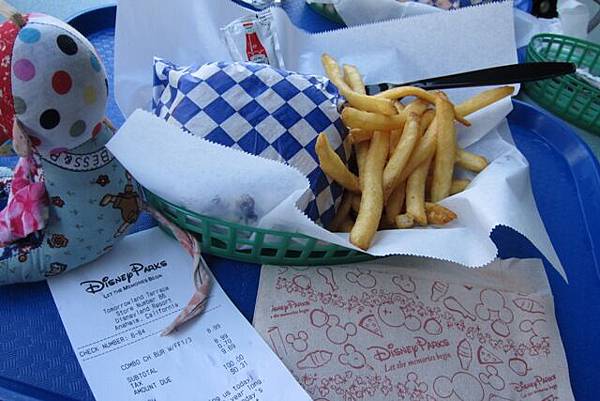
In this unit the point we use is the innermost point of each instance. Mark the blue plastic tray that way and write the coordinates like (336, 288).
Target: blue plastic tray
(36, 356)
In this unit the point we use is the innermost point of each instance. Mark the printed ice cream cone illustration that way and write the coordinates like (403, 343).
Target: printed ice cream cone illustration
(438, 290)
(464, 353)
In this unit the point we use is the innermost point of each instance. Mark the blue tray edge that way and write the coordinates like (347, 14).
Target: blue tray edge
(579, 167)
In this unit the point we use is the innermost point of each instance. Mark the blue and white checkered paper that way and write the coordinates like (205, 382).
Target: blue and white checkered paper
(261, 110)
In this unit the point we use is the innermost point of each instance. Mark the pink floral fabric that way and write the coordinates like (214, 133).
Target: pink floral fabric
(27, 207)
(8, 34)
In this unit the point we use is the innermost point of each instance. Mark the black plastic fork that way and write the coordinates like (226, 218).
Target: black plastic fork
(504, 75)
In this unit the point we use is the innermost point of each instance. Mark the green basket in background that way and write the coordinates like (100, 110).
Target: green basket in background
(326, 10)
(570, 96)
(255, 245)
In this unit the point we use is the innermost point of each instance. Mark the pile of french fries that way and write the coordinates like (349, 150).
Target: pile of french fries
(405, 154)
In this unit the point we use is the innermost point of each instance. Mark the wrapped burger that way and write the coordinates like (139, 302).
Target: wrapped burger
(264, 111)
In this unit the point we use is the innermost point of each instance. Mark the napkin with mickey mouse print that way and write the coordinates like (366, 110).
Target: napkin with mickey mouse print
(413, 329)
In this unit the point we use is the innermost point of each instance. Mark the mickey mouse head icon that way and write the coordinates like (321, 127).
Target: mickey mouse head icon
(298, 341)
(362, 278)
(492, 378)
(406, 283)
(493, 308)
(393, 315)
(352, 357)
(413, 386)
(535, 328)
(336, 332)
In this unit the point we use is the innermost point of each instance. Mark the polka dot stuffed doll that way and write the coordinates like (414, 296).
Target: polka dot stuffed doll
(68, 199)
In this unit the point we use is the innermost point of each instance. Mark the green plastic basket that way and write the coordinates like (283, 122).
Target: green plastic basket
(327, 10)
(570, 97)
(255, 245)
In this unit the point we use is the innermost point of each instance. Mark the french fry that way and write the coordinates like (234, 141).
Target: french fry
(462, 120)
(361, 150)
(445, 154)
(353, 79)
(415, 193)
(426, 120)
(404, 91)
(394, 203)
(343, 212)
(394, 139)
(360, 140)
(360, 135)
(417, 106)
(346, 226)
(458, 186)
(399, 106)
(360, 101)
(333, 166)
(347, 144)
(470, 161)
(371, 204)
(354, 118)
(438, 214)
(426, 146)
(401, 154)
(405, 220)
(483, 99)
(356, 198)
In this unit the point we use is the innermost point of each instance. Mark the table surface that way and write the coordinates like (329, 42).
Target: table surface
(64, 9)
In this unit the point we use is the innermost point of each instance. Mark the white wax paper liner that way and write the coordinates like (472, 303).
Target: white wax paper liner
(499, 195)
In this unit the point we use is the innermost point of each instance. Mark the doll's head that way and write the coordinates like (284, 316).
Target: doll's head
(54, 87)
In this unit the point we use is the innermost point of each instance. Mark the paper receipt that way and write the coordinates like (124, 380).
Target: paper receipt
(115, 308)
(426, 331)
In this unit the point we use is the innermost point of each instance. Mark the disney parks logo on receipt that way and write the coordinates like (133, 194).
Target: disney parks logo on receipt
(135, 270)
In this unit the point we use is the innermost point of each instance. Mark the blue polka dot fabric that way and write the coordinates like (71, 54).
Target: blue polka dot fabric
(261, 110)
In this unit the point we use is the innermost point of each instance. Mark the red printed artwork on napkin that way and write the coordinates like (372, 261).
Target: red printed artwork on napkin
(434, 333)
